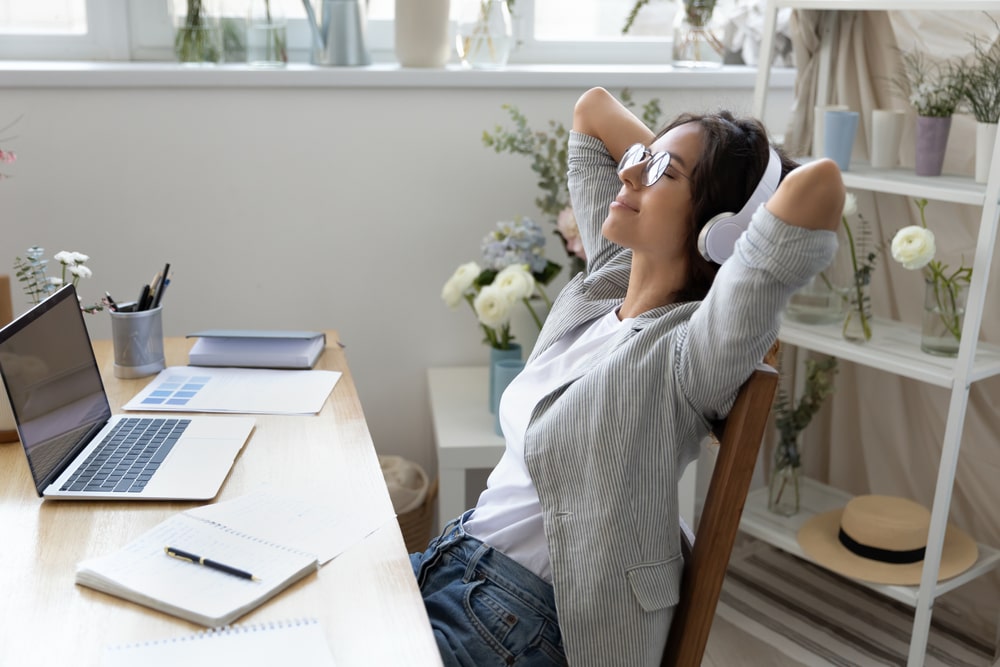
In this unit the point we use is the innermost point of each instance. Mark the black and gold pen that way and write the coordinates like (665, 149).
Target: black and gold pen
(215, 565)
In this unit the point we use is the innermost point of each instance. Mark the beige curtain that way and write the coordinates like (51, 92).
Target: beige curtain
(881, 433)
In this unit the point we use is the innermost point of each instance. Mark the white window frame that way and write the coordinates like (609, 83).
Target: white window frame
(107, 38)
(143, 30)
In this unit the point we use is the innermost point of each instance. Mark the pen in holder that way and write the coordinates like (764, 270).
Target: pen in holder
(138, 342)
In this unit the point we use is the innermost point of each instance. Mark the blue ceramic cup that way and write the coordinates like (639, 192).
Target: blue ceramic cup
(838, 136)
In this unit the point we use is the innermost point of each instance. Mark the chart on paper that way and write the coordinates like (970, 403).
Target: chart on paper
(243, 390)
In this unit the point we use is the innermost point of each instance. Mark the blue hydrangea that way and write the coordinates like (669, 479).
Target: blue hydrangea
(518, 242)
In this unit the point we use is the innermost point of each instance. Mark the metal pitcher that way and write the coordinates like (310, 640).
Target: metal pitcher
(340, 40)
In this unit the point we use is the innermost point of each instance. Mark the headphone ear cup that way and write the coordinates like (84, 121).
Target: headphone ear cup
(718, 236)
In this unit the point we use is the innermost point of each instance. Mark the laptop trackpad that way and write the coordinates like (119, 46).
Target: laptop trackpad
(197, 466)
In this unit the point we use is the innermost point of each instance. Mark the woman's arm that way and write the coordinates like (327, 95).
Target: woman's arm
(599, 114)
(788, 242)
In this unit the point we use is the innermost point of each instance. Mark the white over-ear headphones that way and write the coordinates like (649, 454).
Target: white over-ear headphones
(718, 237)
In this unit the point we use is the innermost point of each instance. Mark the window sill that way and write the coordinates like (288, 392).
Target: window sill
(51, 74)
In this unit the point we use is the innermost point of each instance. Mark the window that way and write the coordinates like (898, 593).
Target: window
(548, 31)
(67, 29)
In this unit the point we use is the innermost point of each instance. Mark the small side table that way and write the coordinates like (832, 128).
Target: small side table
(463, 431)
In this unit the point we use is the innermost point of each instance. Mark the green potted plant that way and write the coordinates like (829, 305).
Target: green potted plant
(981, 94)
(934, 88)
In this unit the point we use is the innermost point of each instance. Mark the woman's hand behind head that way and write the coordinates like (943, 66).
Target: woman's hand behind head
(811, 196)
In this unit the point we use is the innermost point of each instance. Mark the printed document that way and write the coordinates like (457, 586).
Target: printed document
(243, 390)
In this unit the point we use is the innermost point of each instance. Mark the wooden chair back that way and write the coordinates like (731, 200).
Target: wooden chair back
(739, 437)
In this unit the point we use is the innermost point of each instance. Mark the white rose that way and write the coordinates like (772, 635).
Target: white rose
(460, 281)
(913, 247)
(516, 281)
(850, 205)
(492, 306)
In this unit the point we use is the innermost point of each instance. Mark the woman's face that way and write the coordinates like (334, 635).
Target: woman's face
(654, 219)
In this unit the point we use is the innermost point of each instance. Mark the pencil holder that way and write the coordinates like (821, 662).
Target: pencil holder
(138, 342)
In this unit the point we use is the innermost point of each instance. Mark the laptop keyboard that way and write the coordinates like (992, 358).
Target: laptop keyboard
(128, 456)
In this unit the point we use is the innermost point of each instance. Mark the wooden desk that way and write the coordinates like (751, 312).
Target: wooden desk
(366, 598)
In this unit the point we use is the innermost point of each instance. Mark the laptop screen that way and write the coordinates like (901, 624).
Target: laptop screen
(55, 388)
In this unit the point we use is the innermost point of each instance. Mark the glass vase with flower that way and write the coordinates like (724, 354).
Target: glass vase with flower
(791, 419)
(485, 39)
(514, 269)
(945, 289)
(857, 326)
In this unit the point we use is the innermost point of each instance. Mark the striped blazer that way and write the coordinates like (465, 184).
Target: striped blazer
(606, 449)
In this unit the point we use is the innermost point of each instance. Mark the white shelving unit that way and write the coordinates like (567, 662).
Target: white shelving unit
(895, 347)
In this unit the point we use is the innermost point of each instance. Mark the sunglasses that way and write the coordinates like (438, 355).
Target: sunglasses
(656, 163)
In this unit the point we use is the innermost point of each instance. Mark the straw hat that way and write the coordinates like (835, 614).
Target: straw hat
(891, 533)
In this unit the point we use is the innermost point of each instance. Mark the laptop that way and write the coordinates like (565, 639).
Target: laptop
(75, 447)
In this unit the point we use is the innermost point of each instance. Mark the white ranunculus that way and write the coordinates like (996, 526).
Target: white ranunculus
(850, 205)
(460, 281)
(516, 281)
(913, 247)
(493, 306)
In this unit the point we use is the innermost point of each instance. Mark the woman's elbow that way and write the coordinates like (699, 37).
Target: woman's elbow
(811, 196)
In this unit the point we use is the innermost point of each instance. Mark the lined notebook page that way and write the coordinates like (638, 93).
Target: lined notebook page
(292, 642)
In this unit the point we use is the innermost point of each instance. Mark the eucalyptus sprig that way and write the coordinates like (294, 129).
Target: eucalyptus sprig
(791, 419)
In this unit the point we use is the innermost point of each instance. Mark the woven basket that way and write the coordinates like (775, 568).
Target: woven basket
(416, 524)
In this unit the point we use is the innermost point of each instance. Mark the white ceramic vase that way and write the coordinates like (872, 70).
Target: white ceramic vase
(986, 136)
(422, 33)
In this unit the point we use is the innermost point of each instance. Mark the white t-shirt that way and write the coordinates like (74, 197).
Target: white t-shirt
(508, 515)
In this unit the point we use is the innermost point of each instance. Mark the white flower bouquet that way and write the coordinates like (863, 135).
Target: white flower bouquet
(514, 269)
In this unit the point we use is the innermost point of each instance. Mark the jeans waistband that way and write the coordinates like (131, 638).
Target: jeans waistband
(476, 554)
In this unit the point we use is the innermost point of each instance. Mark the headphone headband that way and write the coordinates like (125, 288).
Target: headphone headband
(718, 237)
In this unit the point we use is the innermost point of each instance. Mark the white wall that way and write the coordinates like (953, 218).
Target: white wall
(295, 207)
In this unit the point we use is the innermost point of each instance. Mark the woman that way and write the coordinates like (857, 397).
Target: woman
(573, 551)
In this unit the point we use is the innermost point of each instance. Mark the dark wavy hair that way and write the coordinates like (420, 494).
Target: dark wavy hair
(731, 165)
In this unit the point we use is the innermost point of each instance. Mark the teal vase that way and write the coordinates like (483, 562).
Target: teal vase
(504, 372)
(512, 352)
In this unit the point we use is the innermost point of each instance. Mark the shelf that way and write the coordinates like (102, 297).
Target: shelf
(890, 5)
(894, 348)
(816, 498)
(946, 187)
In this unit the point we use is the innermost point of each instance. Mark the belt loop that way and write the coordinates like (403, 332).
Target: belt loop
(470, 570)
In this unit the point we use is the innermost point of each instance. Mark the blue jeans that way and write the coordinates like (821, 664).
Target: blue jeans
(485, 609)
